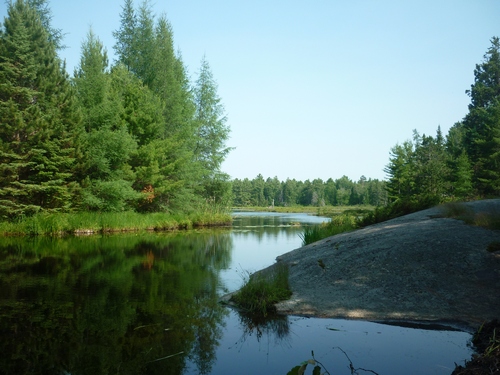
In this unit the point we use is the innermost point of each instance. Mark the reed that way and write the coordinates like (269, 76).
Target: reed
(261, 291)
(338, 224)
(56, 224)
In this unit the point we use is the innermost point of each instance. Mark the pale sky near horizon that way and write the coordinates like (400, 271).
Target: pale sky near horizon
(316, 89)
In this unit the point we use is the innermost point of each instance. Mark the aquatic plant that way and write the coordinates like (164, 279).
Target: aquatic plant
(338, 224)
(106, 222)
(261, 291)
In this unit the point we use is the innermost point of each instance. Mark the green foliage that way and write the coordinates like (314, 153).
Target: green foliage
(212, 134)
(338, 224)
(136, 136)
(261, 291)
(467, 163)
(396, 209)
(40, 121)
(106, 298)
(482, 123)
(46, 224)
(341, 192)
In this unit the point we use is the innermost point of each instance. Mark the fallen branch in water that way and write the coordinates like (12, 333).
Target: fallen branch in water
(167, 357)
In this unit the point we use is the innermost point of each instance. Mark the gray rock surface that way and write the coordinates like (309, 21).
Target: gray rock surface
(420, 266)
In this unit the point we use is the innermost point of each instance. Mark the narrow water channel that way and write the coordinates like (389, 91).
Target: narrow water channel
(148, 304)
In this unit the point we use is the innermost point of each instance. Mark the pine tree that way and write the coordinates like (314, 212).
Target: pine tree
(45, 13)
(39, 120)
(460, 177)
(430, 169)
(210, 149)
(482, 123)
(400, 170)
(107, 177)
(125, 36)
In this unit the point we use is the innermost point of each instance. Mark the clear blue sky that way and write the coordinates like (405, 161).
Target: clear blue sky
(322, 88)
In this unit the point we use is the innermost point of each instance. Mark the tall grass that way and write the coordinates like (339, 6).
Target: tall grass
(95, 222)
(261, 291)
(338, 224)
(489, 219)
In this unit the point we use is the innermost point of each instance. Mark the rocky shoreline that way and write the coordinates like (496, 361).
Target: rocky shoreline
(419, 267)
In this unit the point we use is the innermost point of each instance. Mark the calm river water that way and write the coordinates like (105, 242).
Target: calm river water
(148, 304)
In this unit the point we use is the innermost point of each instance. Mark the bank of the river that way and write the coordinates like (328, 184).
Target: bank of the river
(327, 211)
(95, 222)
(422, 266)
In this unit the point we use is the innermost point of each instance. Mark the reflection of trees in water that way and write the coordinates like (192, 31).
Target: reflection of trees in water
(109, 304)
(262, 233)
(276, 327)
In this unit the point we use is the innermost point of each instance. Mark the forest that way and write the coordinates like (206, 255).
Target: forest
(422, 171)
(137, 135)
(463, 165)
(340, 192)
(134, 134)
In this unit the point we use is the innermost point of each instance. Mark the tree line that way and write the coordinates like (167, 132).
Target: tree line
(135, 134)
(465, 163)
(262, 192)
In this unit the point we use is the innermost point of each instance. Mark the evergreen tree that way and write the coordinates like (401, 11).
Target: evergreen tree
(106, 174)
(210, 149)
(258, 191)
(166, 165)
(125, 36)
(430, 168)
(400, 170)
(482, 123)
(290, 192)
(45, 13)
(39, 120)
(460, 178)
(331, 192)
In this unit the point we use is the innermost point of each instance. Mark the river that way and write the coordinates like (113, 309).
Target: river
(147, 303)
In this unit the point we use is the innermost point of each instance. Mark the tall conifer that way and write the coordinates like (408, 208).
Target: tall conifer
(482, 123)
(38, 116)
(107, 177)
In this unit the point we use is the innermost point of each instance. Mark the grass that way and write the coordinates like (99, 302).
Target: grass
(338, 224)
(486, 342)
(319, 211)
(261, 291)
(95, 222)
(489, 219)
(396, 209)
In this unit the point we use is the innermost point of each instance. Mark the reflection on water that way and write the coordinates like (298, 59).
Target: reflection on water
(275, 348)
(148, 304)
(119, 304)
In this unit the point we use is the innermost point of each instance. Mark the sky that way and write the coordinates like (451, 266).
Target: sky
(316, 89)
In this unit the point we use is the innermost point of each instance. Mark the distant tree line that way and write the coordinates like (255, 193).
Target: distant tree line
(466, 163)
(340, 192)
(132, 135)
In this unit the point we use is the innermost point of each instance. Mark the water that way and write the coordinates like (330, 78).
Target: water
(148, 304)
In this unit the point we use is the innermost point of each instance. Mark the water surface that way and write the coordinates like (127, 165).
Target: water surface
(148, 304)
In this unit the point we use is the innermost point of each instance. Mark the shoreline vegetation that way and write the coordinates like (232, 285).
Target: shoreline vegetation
(87, 223)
